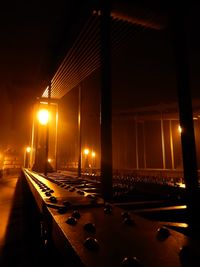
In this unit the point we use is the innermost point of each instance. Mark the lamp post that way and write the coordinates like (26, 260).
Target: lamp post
(43, 118)
(86, 152)
(41, 157)
(93, 154)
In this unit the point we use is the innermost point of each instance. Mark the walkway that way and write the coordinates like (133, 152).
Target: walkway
(20, 243)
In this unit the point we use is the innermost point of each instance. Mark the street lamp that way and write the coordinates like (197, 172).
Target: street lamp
(41, 160)
(43, 116)
(28, 149)
(86, 151)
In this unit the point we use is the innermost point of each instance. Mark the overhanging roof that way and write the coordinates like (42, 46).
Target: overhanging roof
(84, 56)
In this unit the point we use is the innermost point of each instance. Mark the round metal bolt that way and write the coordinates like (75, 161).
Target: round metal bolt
(76, 214)
(71, 221)
(62, 210)
(90, 227)
(91, 244)
(125, 214)
(128, 221)
(53, 199)
(66, 204)
(131, 262)
(163, 233)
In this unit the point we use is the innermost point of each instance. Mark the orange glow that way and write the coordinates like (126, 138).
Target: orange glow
(182, 185)
(43, 116)
(86, 151)
(93, 154)
(179, 129)
(28, 149)
(49, 160)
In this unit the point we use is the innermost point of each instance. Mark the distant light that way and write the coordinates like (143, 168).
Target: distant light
(28, 149)
(43, 116)
(93, 154)
(86, 151)
(182, 185)
(180, 129)
(49, 160)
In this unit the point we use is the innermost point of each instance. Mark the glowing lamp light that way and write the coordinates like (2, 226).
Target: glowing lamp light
(93, 154)
(43, 116)
(179, 129)
(86, 151)
(28, 149)
(49, 160)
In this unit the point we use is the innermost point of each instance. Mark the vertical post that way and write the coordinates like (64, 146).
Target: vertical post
(56, 139)
(144, 146)
(32, 139)
(163, 142)
(178, 29)
(106, 101)
(25, 158)
(136, 143)
(171, 144)
(36, 158)
(47, 134)
(79, 130)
